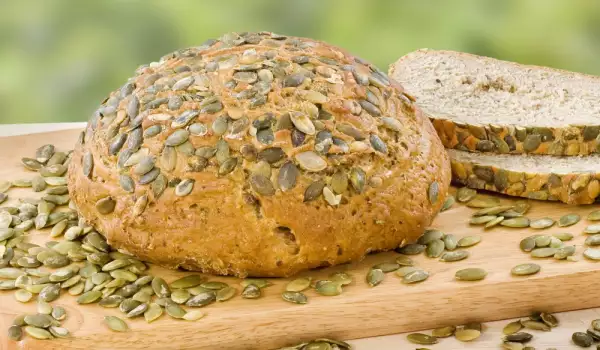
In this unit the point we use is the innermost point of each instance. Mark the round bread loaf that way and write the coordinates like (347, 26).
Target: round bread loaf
(258, 155)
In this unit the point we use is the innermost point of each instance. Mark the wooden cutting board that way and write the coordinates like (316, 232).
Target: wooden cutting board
(360, 311)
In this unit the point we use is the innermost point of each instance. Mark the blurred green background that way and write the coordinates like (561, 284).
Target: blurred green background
(60, 58)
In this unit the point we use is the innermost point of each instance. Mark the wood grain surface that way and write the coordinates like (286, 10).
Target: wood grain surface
(359, 312)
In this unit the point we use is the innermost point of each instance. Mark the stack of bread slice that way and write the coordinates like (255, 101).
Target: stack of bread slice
(520, 130)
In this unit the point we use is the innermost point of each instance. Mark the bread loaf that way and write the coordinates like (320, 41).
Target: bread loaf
(481, 104)
(573, 180)
(258, 155)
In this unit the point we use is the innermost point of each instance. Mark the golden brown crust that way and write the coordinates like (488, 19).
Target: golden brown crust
(237, 219)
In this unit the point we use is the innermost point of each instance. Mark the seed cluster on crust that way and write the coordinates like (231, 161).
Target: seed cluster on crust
(275, 111)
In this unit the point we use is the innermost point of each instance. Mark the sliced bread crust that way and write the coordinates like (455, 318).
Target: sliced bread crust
(481, 104)
(573, 180)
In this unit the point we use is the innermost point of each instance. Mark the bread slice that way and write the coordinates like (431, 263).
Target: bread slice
(573, 180)
(481, 104)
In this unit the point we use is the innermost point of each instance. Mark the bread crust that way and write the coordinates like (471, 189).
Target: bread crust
(569, 140)
(224, 226)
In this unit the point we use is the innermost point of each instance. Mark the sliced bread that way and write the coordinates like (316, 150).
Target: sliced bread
(573, 180)
(481, 104)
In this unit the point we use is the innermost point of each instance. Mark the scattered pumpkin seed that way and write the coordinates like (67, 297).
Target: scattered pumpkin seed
(448, 203)
(294, 297)
(443, 332)
(568, 220)
(512, 327)
(298, 285)
(422, 339)
(411, 249)
(541, 223)
(535, 325)
(375, 277)
(387, 266)
(251, 291)
(465, 194)
(592, 229)
(543, 252)
(15, 333)
(468, 241)
(483, 202)
(415, 276)
(593, 216)
(525, 269)
(592, 253)
(454, 256)
(38, 333)
(519, 222)
(583, 340)
(480, 220)
(466, 334)
(115, 324)
(527, 244)
(470, 274)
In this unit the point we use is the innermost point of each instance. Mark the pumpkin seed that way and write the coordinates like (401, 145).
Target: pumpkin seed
(115, 324)
(105, 205)
(387, 266)
(89, 297)
(59, 313)
(15, 333)
(593, 216)
(404, 270)
(298, 285)
(592, 229)
(470, 274)
(38, 333)
(160, 287)
(564, 236)
(549, 319)
(581, 339)
(543, 252)
(287, 176)
(541, 223)
(294, 297)
(375, 277)
(421, 339)
(448, 203)
(303, 123)
(596, 324)
(262, 185)
(111, 301)
(512, 327)
(429, 236)
(593, 240)
(465, 194)
(535, 325)
(187, 282)
(593, 333)
(508, 345)
(435, 249)
(468, 241)
(480, 220)
(251, 292)
(527, 244)
(518, 222)
(38, 320)
(202, 299)
(443, 332)
(357, 179)
(467, 335)
(433, 192)
(184, 187)
(44, 307)
(59, 332)
(23, 296)
(415, 276)
(483, 202)
(226, 293)
(592, 253)
(542, 241)
(411, 249)
(50, 292)
(193, 315)
(494, 222)
(525, 269)
(564, 252)
(454, 256)
(328, 288)
(312, 192)
(311, 161)
(568, 220)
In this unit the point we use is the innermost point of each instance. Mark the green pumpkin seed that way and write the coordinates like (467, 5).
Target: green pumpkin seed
(508, 345)
(433, 192)
(465, 194)
(542, 241)
(422, 339)
(549, 319)
(226, 293)
(294, 297)
(375, 277)
(251, 292)
(411, 249)
(50, 293)
(38, 320)
(23, 296)
(512, 327)
(541, 223)
(404, 270)
(415, 276)
(519, 222)
(214, 285)
(593, 216)
(467, 335)
(138, 310)
(175, 311)
(187, 282)
(435, 249)
(59, 332)
(298, 285)
(160, 287)
(153, 312)
(429, 236)
(89, 297)
(448, 203)
(115, 324)
(564, 236)
(469, 241)
(202, 299)
(180, 296)
(111, 301)
(470, 274)
(493, 210)
(568, 220)
(193, 315)
(59, 313)
(528, 244)
(593, 240)
(37, 333)
(592, 229)
(387, 266)
(454, 256)
(483, 202)
(403, 260)
(105, 205)
(535, 325)
(543, 252)
(564, 252)
(443, 332)
(525, 269)
(480, 220)
(494, 222)
(450, 242)
(583, 340)
(592, 253)
(342, 278)
(593, 333)
(15, 333)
